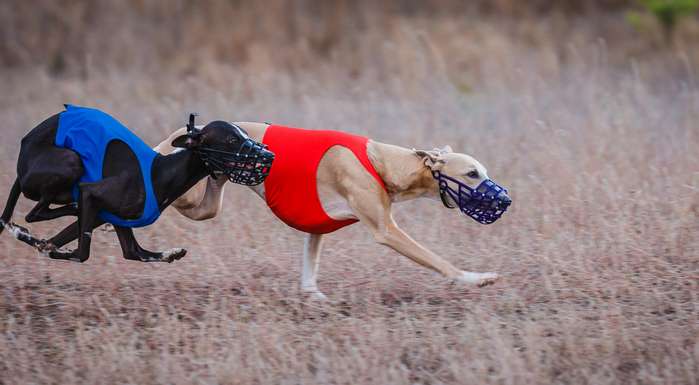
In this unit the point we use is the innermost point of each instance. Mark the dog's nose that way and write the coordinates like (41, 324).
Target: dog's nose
(504, 199)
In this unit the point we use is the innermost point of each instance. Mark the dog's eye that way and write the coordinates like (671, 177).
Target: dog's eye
(472, 174)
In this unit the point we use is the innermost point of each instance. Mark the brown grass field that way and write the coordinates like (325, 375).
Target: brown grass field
(595, 137)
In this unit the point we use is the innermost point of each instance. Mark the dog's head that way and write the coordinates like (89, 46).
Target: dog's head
(226, 149)
(218, 135)
(463, 181)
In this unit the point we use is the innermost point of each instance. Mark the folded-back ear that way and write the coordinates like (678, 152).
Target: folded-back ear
(432, 159)
(446, 149)
(185, 141)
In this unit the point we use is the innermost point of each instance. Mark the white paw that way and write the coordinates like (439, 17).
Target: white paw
(315, 294)
(173, 254)
(170, 252)
(478, 279)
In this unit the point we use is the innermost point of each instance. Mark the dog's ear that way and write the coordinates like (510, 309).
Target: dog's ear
(445, 150)
(432, 159)
(186, 141)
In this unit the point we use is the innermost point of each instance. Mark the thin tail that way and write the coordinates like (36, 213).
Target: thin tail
(10, 206)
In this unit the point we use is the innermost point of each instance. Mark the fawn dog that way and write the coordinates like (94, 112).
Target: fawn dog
(323, 180)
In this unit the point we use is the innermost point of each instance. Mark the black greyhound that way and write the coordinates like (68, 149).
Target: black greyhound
(48, 173)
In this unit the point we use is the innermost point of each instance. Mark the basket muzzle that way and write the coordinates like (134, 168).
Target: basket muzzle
(486, 203)
(249, 165)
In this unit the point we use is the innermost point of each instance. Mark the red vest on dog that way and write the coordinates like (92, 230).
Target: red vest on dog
(291, 190)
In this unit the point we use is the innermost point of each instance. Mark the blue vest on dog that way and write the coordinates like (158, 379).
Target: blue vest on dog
(88, 132)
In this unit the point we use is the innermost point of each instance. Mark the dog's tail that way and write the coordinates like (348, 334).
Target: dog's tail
(10, 206)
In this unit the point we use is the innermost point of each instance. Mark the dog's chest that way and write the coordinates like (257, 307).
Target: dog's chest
(334, 205)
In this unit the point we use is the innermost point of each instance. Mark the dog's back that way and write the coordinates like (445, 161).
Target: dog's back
(109, 149)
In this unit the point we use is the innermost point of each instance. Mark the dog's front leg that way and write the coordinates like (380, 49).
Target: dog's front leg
(133, 251)
(398, 240)
(377, 216)
(210, 201)
(309, 269)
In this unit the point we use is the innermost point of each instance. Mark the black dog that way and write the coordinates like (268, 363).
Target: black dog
(48, 173)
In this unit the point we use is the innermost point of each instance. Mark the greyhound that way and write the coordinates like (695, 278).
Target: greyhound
(353, 178)
(88, 162)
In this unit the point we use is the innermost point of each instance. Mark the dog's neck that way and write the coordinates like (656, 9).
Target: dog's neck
(174, 174)
(404, 174)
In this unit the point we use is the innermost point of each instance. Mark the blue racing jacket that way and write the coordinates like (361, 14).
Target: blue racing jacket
(88, 131)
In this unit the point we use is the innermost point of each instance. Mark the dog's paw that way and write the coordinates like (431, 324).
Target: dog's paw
(488, 279)
(63, 254)
(318, 296)
(478, 279)
(314, 295)
(45, 247)
(172, 255)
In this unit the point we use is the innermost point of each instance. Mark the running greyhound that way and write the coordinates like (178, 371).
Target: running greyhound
(325, 180)
(99, 171)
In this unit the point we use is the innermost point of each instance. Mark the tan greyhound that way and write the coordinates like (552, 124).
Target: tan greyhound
(346, 190)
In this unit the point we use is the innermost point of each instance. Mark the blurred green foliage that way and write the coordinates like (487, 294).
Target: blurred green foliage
(668, 12)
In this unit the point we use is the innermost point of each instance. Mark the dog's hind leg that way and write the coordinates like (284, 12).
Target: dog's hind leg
(309, 269)
(18, 232)
(40, 212)
(133, 251)
(10, 205)
(69, 234)
(87, 221)
(51, 247)
(43, 212)
(23, 235)
(44, 246)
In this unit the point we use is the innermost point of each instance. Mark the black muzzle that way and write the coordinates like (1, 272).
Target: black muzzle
(486, 203)
(248, 166)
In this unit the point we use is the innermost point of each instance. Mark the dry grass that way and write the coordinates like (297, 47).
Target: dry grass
(599, 253)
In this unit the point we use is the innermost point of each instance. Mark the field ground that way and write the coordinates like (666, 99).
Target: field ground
(599, 253)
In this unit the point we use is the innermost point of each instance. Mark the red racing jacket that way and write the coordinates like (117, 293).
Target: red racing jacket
(291, 190)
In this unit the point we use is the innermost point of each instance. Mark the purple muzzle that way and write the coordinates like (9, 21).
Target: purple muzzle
(485, 203)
